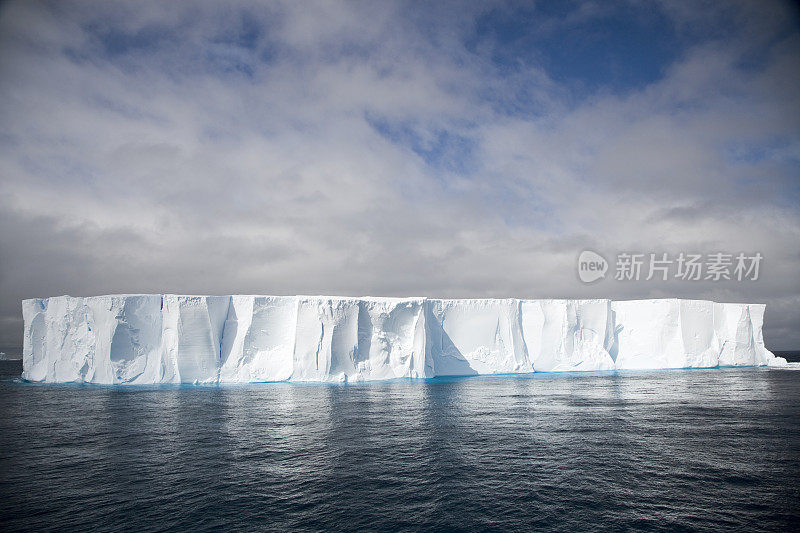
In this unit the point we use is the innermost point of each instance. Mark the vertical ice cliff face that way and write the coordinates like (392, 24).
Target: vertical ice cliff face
(60, 340)
(673, 333)
(647, 334)
(566, 335)
(141, 339)
(103, 339)
(192, 328)
(476, 337)
(667, 333)
(736, 341)
(326, 342)
(133, 340)
(762, 355)
(258, 339)
(700, 344)
(346, 339)
(391, 339)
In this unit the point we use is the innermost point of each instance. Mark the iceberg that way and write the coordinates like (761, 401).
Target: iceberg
(154, 338)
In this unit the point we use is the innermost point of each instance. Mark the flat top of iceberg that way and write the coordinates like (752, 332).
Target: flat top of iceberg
(394, 298)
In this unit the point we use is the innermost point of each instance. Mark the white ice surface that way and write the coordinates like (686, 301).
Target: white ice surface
(145, 339)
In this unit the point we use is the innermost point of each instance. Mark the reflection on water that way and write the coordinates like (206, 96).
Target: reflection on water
(702, 449)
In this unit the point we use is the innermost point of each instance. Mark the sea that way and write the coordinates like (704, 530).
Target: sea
(674, 450)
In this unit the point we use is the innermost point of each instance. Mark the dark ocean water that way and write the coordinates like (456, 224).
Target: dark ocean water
(669, 450)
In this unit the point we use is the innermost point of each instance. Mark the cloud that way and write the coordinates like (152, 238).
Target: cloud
(368, 148)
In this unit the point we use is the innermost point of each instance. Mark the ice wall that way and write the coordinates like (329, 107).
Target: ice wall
(141, 339)
(565, 335)
(475, 337)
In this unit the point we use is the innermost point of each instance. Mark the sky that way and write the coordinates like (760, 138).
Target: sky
(442, 149)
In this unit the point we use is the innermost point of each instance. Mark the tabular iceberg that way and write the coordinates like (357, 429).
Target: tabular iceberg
(146, 338)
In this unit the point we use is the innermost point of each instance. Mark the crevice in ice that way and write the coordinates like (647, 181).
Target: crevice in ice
(364, 334)
(319, 345)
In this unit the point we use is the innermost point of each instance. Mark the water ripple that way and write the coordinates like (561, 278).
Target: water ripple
(685, 450)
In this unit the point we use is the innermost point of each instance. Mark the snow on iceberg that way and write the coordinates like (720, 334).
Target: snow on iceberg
(146, 339)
